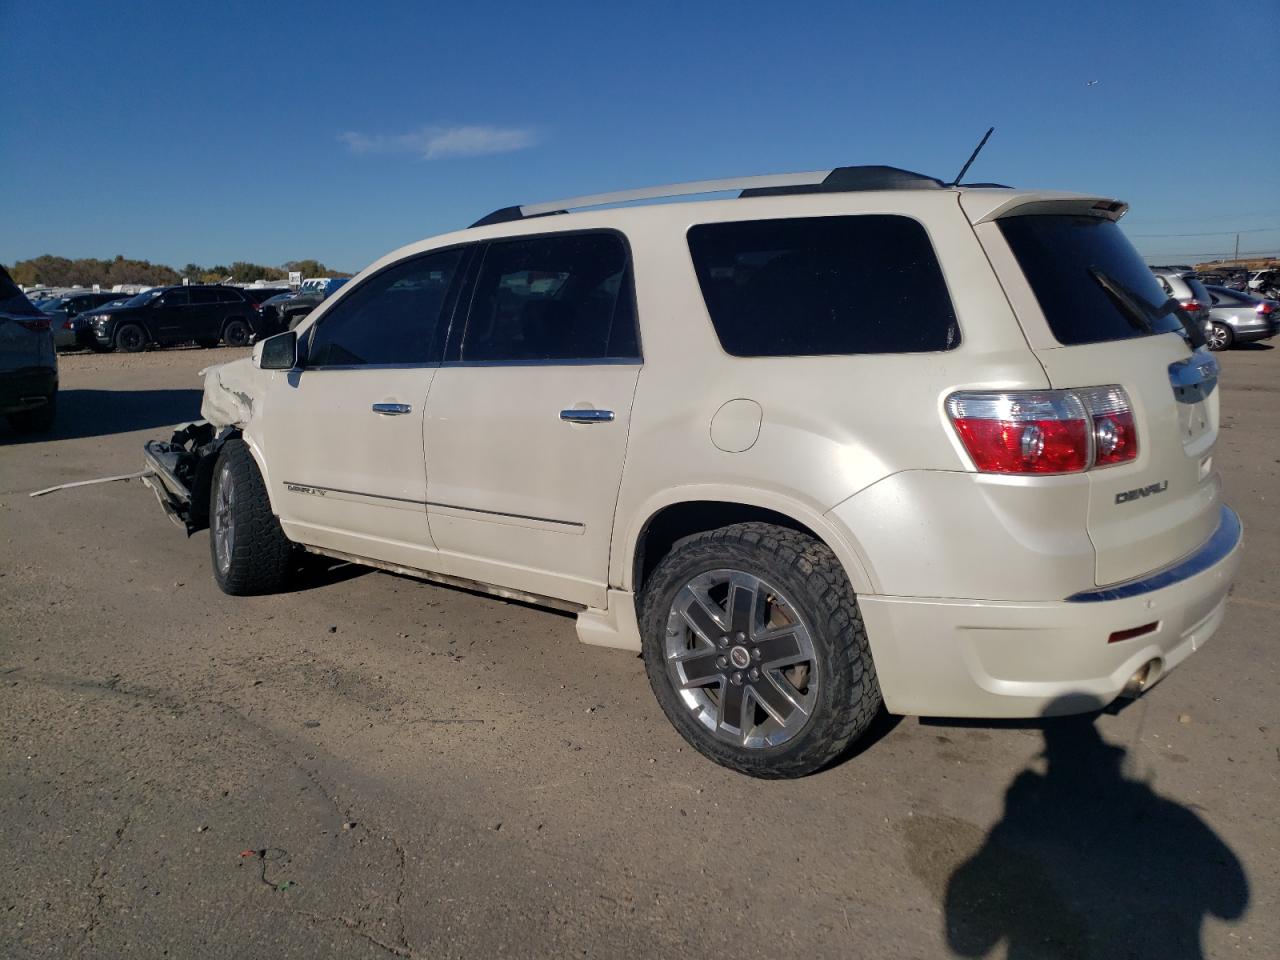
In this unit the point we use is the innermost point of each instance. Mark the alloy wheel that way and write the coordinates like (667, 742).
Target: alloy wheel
(741, 659)
(224, 534)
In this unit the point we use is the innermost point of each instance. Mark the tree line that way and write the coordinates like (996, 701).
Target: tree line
(54, 271)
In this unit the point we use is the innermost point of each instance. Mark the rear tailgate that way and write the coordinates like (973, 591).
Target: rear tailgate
(1151, 512)
(1094, 315)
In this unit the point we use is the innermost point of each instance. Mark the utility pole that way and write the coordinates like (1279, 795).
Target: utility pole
(1237, 256)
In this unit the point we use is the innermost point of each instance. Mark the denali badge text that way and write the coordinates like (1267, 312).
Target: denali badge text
(299, 488)
(1141, 492)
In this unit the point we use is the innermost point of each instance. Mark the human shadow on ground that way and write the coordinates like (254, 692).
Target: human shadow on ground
(1087, 862)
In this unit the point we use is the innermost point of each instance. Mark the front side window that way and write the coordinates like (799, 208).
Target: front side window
(391, 318)
(823, 286)
(175, 298)
(561, 297)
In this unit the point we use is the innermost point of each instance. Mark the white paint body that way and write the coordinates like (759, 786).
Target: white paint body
(961, 576)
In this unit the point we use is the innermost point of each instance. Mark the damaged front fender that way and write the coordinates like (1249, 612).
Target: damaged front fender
(180, 471)
(230, 393)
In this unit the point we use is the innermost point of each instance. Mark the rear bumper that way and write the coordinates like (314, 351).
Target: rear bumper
(27, 388)
(975, 658)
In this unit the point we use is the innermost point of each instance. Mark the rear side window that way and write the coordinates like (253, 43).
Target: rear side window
(560, 297)
(823, 285)
(203, 295)
(391, 318)
(1063, 258)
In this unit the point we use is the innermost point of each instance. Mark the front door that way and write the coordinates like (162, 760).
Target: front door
(343, 433)
(169, 314)
(526, 425)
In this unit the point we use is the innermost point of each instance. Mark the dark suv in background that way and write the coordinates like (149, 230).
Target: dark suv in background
(206, 315)
(65, 311)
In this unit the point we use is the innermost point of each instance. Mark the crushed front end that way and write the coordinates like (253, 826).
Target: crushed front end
(180, 471)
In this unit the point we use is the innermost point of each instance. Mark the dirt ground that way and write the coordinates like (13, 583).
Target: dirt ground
(371, 766)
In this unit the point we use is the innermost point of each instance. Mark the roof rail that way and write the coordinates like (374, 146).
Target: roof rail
(836, 180)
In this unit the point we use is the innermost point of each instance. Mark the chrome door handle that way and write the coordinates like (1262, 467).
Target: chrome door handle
(587, 416)
(391, 409)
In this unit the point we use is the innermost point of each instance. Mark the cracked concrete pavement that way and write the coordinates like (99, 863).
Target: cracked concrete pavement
(370, 766)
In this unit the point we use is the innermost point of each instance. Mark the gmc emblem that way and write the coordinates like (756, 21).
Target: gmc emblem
(1128, 495)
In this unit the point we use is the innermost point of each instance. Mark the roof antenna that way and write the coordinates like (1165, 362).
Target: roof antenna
(972, 157)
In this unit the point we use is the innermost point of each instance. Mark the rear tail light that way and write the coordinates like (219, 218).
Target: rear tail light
(36, 326)
(1266, 309)
(1045, 431)
(1192, 306)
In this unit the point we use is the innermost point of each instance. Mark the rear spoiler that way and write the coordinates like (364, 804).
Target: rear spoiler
(983, 206)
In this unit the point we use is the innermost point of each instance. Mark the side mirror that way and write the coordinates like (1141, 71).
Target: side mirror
(277, 353)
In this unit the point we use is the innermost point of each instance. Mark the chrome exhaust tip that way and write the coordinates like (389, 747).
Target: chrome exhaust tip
(1144, 677)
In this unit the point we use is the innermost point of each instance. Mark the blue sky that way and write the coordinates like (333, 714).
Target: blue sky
(206, 132)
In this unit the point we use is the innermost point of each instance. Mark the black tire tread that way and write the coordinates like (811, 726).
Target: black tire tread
(839, 620)
(262, 555)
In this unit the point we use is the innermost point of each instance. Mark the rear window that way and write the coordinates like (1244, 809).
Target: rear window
(823, 285)
(1062, 258)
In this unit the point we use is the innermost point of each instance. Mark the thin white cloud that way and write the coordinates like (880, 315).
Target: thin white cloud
(433, 143)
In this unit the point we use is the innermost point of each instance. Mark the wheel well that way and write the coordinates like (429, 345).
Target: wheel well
(672, 524)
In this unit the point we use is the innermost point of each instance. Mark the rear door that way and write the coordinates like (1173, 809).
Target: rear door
(527, 422)
(1095, 316)
(204, 314)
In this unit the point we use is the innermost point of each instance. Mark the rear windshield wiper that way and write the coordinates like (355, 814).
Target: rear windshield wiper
(1127, 302)
(1140, 312)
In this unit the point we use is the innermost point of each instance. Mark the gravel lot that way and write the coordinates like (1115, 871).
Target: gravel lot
(373, 766)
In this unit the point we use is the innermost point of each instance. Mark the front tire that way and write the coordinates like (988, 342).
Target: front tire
(250, 553)
(756, 651)
(130, 338)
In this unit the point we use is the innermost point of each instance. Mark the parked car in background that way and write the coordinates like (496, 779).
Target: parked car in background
(1239, 317)
(262, 294)
(1265, 283)
(28, 361)
(294, 310)
(1185, 287)
(270, 317)
(65, 312)
(969, 474)
(162, 316)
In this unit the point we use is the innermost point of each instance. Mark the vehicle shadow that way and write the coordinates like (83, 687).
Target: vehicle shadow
(1255, 345)
(101, 413)
(1087, 862)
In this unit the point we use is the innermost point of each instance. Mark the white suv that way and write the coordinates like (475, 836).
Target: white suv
(848, 438)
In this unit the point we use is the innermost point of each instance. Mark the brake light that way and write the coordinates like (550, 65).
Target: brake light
(1045, 431)
(1265, 309)
(36, 326)
(1192, 306)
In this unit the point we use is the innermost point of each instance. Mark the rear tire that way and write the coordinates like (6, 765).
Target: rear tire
(236, 333)
(250, 553)
(780, 646)
(1220, 336)
(37, 419)
(130, 338)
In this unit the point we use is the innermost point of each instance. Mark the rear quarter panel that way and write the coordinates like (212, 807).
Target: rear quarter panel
(830, 426)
